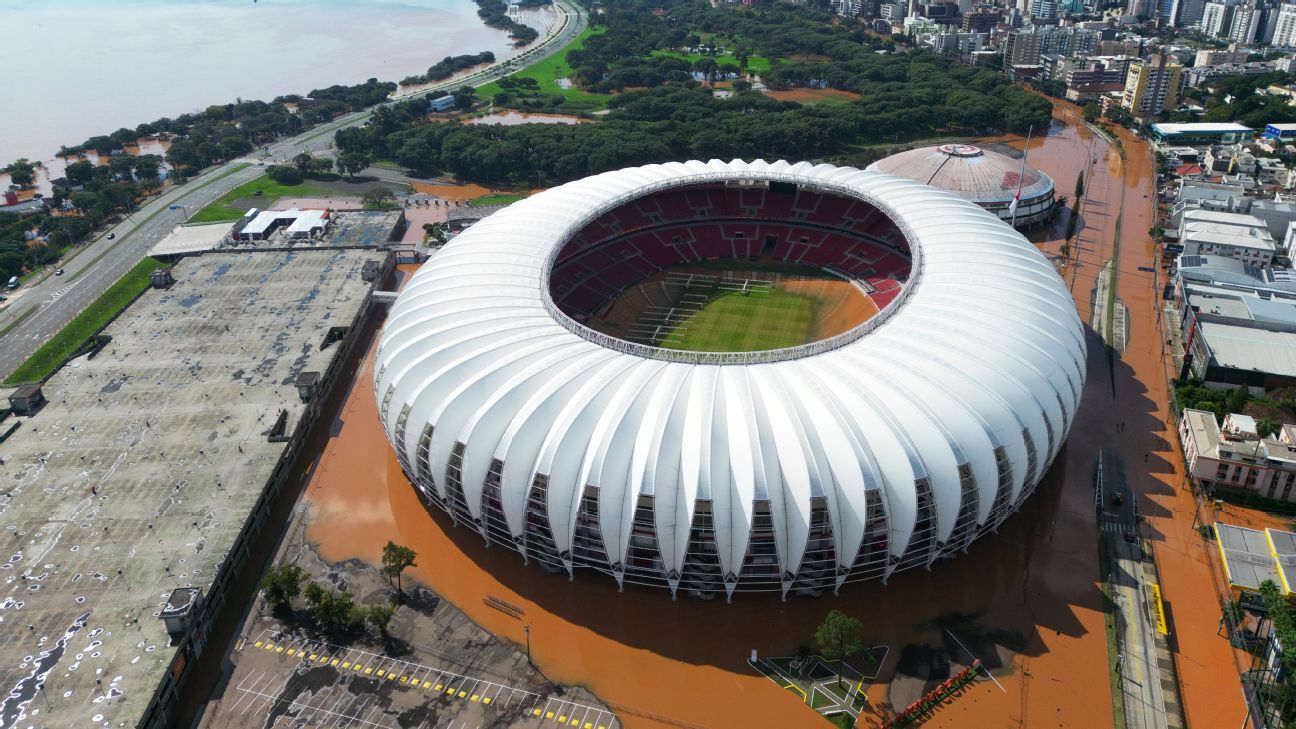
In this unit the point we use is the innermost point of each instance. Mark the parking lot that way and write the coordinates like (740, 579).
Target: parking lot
(261, 692)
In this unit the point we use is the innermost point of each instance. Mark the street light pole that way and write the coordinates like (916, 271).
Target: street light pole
(527, 629)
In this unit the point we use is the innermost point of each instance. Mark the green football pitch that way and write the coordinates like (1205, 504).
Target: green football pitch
(736, 322)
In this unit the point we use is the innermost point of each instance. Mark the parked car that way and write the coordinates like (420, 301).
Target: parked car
(58, 272)
(111, 236)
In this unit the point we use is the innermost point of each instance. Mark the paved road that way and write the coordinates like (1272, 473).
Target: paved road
(1135, 640)
(39, 310)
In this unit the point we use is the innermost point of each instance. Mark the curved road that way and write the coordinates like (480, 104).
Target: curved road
(38, 311)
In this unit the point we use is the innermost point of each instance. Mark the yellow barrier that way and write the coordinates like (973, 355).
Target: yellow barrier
(1158, 610)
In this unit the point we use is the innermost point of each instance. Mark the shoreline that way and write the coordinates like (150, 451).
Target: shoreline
(49, 159)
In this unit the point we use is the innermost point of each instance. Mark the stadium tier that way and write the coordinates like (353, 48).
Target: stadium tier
(516, 398)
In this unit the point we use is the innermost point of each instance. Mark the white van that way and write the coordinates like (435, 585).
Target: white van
(13, 282)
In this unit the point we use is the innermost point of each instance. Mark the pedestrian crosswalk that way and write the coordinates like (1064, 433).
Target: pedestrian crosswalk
(58, 293)
(1115, 528)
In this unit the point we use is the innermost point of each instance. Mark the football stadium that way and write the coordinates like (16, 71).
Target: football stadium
(719, 377)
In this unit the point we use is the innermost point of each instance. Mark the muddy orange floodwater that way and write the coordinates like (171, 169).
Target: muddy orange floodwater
(445, 191)
(659, 662)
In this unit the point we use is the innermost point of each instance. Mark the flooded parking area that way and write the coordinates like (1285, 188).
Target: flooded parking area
(1025, 601)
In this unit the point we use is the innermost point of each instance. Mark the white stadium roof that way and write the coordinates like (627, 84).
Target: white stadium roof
(966, 386)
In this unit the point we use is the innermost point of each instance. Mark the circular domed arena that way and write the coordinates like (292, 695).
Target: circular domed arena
(719, 377)
(989, 179)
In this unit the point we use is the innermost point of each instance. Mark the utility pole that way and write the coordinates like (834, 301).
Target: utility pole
(527, 629)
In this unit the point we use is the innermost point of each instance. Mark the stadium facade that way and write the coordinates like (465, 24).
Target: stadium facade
(989, 179)
(888, 446)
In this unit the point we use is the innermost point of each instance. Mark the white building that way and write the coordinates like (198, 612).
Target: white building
(1237, 456)
(1284, 26)
(1215, 233)
(1217, 17)
(1245, 24)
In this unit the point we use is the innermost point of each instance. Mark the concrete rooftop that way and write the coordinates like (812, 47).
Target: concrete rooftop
(137, 476)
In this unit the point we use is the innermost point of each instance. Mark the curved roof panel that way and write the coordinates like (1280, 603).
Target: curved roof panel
(926, 426)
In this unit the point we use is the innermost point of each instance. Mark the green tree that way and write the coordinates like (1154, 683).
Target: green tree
(281, 584)
(334, 610)
(1266, 427)
(396, 559)
(303, 162)
(352, 163)
(284, 175)
(22, 172)
(379, 198)
(465, 97)
(1079, 189)
(80, 172)
(839, 637)
(379, 616)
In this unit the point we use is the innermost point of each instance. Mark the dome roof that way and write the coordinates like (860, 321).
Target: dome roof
(976, 174)
(943, 412)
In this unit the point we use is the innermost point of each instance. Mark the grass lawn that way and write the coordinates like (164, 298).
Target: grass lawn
(219, 211)
(548, 72)
(495, 199)
(738, 322)
(755, 64)
(43, 362)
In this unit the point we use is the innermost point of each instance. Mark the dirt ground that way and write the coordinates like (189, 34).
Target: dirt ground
(811, 96)
(460, 192)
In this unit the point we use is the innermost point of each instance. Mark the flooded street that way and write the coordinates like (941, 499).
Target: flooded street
(1134, 390)
(173, 58)
(659, 662)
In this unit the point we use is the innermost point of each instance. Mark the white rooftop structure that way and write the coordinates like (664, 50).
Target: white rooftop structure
(307, 222)
(1236, 235)
(892, 444)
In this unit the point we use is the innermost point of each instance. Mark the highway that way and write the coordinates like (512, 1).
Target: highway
(40, 309)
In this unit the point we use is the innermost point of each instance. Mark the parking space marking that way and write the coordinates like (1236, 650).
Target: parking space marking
(419, 677)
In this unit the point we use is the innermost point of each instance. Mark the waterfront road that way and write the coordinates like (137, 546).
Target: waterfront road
(40, 309)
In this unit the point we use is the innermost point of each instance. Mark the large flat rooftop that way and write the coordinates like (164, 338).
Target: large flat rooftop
(139, 473)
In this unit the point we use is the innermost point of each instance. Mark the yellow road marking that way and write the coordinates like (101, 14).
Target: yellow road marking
(257, 644)
(368, 670)
(381, 674)
(439, 687)
(485, 700)
(313, 656)
(463, 694)
(427, 684)
(548, 714)
(346, 665)
(334, 662)
(474, 697)
(279, 649)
